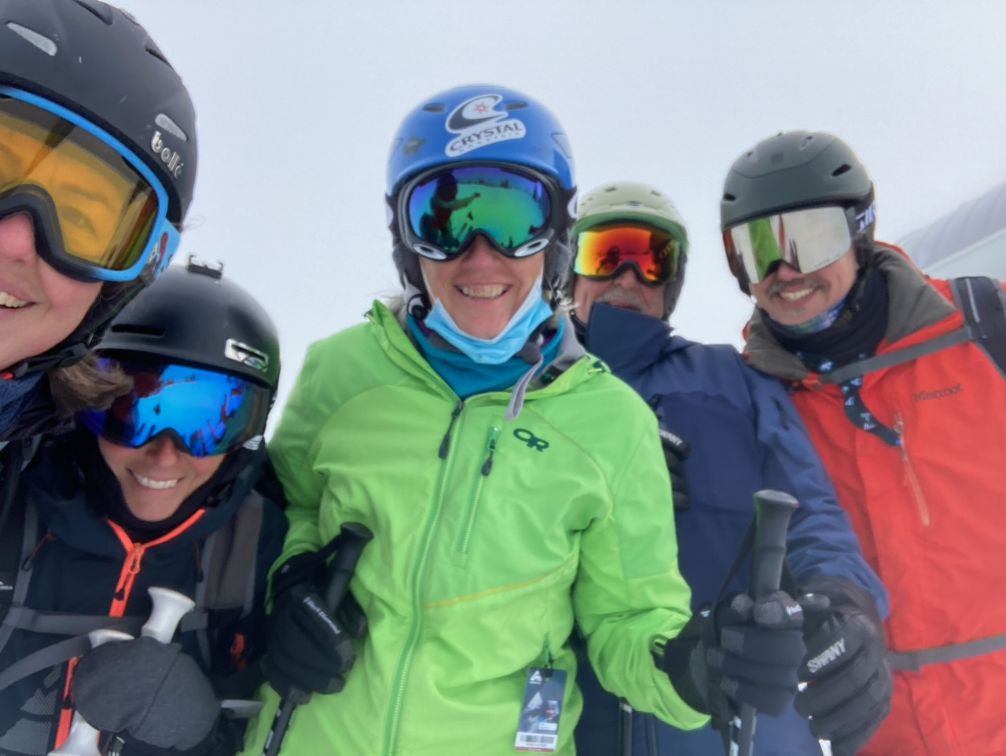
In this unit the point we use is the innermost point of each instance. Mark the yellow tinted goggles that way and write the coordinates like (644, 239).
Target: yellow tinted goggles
(99, 211)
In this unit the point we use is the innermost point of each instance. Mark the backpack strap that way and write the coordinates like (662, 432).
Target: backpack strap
(228, 567)
(983, 303)
(981, 300)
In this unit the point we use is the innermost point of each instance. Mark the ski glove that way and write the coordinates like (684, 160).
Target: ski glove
(676, 451)
(747, 651)
(849, 683)
(148, 694)
(308, 648)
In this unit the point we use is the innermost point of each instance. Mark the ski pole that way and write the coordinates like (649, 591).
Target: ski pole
(772, 512)
(168, 609)
(354, 537)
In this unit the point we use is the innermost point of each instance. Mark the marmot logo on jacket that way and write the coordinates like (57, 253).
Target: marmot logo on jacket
(943, 393)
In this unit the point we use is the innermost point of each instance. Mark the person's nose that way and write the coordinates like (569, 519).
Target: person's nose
(481, 252)
(786, 272)
(17, 237)
(163, 451)
(626, 278)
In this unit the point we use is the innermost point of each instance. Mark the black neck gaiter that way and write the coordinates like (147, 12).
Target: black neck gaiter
(853, 336)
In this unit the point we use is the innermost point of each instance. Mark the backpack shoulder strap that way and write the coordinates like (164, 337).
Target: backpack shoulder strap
(982, 301)
(228, 567)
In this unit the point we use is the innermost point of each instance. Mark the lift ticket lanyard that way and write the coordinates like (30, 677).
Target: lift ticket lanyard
(538, 729)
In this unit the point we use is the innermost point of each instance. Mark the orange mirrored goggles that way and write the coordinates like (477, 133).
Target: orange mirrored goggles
(99, 212)
(603, 252)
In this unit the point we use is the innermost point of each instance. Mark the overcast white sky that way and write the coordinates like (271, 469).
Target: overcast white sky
(298, 101)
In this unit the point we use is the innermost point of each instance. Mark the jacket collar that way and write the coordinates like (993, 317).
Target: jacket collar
(628, 341)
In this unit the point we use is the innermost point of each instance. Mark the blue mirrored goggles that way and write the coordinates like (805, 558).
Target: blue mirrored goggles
(205, 412)
(100, 213)
(441, 211)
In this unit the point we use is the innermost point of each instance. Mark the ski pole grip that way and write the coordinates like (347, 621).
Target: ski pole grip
(354, 537)
(772, 512)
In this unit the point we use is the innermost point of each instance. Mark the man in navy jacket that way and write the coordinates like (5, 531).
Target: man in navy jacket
(728, 432)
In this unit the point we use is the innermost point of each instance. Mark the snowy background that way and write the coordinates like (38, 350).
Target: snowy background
(298, 102)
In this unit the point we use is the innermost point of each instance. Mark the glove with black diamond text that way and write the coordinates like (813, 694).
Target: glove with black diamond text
(308, 649)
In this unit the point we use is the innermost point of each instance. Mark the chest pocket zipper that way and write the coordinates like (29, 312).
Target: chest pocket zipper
(911, 478)
(475, 500)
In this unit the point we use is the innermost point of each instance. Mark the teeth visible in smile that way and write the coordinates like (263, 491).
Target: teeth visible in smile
(155, 484)
(488, 291)
(792, 295)
(9, 300)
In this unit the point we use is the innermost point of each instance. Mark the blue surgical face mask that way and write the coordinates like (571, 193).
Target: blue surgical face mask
(534, 311)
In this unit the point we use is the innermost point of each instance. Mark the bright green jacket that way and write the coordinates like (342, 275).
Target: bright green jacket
(492, 538)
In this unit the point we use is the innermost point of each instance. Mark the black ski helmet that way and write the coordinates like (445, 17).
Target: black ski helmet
(795, 169)
(97, 61)
(194, 315)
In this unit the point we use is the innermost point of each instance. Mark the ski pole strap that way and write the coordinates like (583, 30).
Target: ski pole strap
(898, 356)
(914, 661)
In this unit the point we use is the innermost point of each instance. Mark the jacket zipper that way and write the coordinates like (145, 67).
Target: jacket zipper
(419, 576)
(473, 507)
(910, 476)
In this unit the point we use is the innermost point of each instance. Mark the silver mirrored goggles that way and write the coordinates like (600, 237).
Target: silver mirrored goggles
(808, 239)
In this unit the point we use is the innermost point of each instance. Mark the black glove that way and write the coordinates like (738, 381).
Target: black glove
(676, 451)
(747, 652)
(146, 692)
(849, 683)
(308, 649)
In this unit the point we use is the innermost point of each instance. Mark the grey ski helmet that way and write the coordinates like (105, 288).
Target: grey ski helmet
(634, 201)
(795, 169)
(100, 63)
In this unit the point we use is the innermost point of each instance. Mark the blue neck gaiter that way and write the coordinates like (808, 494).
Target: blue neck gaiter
(467, 377)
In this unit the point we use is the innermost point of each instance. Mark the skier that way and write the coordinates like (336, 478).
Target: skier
(96, 173)
(631, 248)
(903, 406)
(157, 490)
(513, 484)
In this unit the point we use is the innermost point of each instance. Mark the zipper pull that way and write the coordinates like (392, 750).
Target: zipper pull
(445, 444)
(487, 466)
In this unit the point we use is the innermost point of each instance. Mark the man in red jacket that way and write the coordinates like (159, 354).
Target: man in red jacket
(906, 409)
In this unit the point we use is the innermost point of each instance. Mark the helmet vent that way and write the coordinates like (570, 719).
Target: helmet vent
(139, 330)
(844, 168)
(101, 11)
(727, 197)
(152, 49)
(518, 105)
(435, 107)
(31, 36)
(166, 123)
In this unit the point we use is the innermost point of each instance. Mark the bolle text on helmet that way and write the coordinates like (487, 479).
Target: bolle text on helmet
(171, 159)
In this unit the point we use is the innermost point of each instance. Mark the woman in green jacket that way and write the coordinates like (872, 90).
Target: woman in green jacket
(515, 487)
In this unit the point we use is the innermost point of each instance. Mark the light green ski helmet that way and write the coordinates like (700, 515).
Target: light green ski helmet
(635, 201)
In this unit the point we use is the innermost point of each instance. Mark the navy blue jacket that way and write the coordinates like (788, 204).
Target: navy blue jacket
(77, 567)
(745, 435)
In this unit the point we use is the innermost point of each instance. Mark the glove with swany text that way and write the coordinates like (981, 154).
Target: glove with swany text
(676, 451)
(747, 651)
(849, 683)
(150, 695)
(308, 649)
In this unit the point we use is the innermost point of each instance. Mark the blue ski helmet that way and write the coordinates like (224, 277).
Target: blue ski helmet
(482, 123)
